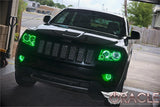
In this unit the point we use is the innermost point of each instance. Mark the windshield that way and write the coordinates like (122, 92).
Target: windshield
(92, 20)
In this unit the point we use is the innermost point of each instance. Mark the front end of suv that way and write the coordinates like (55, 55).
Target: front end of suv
(72, 57)
(97, 65)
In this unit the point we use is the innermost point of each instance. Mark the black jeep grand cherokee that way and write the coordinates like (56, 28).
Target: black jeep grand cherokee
(80, 49)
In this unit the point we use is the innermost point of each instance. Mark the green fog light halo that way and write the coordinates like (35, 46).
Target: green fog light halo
(106, 77)
(21, 58)
(29, 39)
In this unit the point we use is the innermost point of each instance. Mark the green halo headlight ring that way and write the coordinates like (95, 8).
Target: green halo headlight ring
(106, 54)
(116, 56)
(26, 37)
(109, 55)
(32, 38)
(29, 39)
(106, 77)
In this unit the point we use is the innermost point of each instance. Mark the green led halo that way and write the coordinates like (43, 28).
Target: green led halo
(21, 58)
(32, 39)
(26, 37)
(106, 77)
(109, 55)
(106, 54)
(29, 39)
(116, 56)
(101, 56)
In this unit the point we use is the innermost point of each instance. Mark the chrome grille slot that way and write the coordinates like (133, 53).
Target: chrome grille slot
(89, 56)
(80, 55)
(48, 48)
(55, 50)
(72, 53)
(41, 46)
(63, 53)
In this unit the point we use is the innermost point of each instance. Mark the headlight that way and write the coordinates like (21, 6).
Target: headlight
(116, 56)
(108, 55)
(29, 39)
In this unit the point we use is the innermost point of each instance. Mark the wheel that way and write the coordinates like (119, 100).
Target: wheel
(23, 79)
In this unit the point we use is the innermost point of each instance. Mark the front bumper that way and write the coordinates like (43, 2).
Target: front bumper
(81, 79)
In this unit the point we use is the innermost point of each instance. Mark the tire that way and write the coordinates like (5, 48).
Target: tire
(23, 79)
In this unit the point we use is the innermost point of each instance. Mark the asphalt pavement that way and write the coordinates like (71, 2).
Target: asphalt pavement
(31, 19)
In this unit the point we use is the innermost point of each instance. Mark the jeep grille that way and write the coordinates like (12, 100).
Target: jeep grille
(66, 52)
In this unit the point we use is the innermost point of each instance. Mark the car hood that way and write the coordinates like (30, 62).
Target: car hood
(78, 35)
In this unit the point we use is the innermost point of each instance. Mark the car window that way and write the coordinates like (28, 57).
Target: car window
(61, 19)
(92, 20)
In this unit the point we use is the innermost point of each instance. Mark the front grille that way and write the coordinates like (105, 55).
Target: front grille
(66, 52)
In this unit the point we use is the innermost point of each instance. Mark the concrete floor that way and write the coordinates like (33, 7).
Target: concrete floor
(144, 69)
(48, 95)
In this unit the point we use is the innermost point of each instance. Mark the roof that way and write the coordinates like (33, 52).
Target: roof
(97, 11)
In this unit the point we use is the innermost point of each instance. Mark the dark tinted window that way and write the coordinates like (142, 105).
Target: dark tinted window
(98, 21)
(33, 4)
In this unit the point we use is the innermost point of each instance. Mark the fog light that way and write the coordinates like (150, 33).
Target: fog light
(106, 77)
(21, 58)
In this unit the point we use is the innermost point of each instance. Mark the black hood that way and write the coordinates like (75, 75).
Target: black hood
(68, 34)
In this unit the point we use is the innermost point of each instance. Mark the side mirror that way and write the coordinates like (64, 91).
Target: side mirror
(46, 19)
(134, 35)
